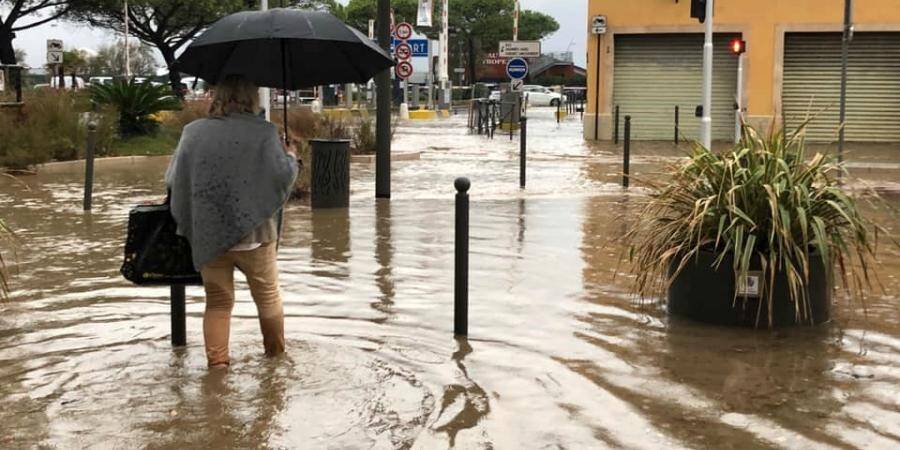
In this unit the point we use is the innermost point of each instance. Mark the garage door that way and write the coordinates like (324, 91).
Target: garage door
(812, 85)
(656, 72)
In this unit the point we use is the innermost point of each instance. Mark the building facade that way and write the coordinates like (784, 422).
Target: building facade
(649, 62)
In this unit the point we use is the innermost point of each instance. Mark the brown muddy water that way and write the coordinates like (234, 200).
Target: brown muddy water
(559, 355)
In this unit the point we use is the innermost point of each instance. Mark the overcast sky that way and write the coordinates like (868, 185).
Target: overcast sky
(569, 13)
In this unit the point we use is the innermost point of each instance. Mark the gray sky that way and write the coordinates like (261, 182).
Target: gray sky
(569, 13)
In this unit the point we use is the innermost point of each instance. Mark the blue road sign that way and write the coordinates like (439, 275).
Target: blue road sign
(419, 47)
(517, 68)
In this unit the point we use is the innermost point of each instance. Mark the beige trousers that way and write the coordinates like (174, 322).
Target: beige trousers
(260, 267)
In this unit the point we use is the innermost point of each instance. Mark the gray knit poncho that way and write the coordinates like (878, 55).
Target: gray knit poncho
(228, 176)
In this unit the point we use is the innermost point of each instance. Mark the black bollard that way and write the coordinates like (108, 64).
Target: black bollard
(330, 173)
(581, 107)
(523, 146)
(179, 335)
(616, 126)
(559, 111)
(461, 269)
(626, 153)
(676, 124)
(89, 166)
(479, 107)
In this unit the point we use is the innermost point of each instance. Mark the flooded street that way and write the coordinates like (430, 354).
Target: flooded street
(558, 354)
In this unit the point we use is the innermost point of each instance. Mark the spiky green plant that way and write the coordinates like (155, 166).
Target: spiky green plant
(136, 103)
(763, 199)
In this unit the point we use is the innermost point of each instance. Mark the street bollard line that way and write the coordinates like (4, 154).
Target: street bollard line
(89, 166)
(676, 124)
(523, 147)
(626, 153)
(177, 300)
(616, 126)
(461, 267)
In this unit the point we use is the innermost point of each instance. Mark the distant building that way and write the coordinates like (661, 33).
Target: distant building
(650, 61)
(492, 69)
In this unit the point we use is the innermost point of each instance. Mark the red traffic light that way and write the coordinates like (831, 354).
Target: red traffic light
(738, 46)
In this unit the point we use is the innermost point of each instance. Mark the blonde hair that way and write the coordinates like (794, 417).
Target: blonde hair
(234, 94)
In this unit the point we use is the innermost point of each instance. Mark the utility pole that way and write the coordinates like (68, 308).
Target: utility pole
(516, 23)
(845, 53)
(383, 99)
(444, 72)
(264, 94)
(127, 49)
(706, 120)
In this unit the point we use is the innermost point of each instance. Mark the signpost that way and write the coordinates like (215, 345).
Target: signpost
(54, 51)
(517, 69)
(403, 52)
(520, 49)
(403, 31)
(598, 28)
(404, 70)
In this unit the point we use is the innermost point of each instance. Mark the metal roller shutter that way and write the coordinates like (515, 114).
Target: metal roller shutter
(812, 85)
(655, 72)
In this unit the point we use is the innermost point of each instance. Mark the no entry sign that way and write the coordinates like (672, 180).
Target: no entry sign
(403, 52)
(404, 31)
(404, 70)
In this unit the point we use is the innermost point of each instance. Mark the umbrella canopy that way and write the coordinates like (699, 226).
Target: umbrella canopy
(284, 48)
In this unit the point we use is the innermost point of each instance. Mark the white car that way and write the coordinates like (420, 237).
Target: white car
(542, 96)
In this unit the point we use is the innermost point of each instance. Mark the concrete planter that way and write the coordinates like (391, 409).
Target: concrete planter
(706, 294)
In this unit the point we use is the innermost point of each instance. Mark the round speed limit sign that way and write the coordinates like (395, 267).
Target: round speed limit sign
(404, 70)
(404, 52)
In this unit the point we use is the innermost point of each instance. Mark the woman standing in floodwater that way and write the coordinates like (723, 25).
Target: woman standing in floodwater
(229, 179)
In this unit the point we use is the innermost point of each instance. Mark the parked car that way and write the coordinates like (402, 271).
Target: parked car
(100, 80)
(54, 82)
(495, 95)
(542, 96)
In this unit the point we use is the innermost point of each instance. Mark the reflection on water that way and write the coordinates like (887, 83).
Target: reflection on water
(558, 356)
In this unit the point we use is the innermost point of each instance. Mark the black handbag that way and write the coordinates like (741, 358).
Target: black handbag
(154, 253)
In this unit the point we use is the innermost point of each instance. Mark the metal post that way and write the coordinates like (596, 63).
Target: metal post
(558, 111)
(845, 54)
(706, 120)
(616, 125)
(626, 153)
(739, 100)
(383, 115)
(18, 84)
(676, 124)
(179, 335)
(89, 166)
(597, 96)
(461, 269)
(265, 93)
(523, 146)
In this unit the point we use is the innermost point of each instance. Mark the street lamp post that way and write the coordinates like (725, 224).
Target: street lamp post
(845, 50)
(706, 120)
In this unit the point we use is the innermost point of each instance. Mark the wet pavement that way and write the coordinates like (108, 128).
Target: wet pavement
(559, 355)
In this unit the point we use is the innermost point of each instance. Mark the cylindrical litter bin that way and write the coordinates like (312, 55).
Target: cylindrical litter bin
(330, 177)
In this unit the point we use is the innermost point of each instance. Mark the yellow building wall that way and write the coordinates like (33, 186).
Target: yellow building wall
(763, 24)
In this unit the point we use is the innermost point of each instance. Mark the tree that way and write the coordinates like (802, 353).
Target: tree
(38, 11)
(168, 25)
(110, 60)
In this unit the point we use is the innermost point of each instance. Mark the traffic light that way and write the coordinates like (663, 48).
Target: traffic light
(698, 10)
(738, 46)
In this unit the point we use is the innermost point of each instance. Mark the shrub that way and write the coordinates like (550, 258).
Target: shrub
(51, 126)
(191, 110)
(136, 103)
(363, 140)
(763, 199)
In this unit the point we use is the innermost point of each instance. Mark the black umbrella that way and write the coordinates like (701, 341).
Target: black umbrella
(286, 49)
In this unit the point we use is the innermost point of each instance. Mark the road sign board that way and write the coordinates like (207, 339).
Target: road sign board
(520, 49)
(598, 25)
(517, 85)
(54, 45)
(517, 69)
(55, 57)
(404, 31)
(404, 70)
(403, 52)
(419, 46)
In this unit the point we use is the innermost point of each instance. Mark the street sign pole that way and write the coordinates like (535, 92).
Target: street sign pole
(383, 115)
(845, 51)
(516, 23)
(706, 120)
(264, 93)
